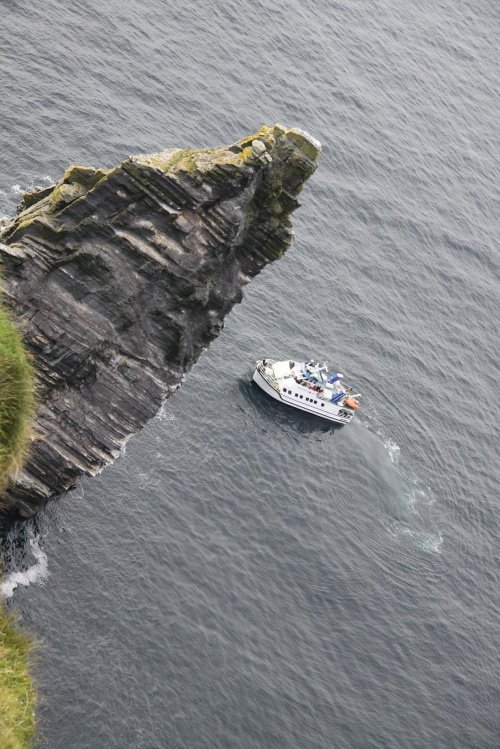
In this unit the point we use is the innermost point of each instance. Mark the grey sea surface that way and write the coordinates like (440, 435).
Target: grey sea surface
(245, 575)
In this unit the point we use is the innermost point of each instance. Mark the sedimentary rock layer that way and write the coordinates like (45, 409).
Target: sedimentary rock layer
(122, 277)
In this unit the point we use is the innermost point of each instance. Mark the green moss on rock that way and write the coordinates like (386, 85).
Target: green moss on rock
(85, 176)
(310, 148)
(31, 197)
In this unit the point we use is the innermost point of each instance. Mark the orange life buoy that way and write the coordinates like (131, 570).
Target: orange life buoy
(351, 402)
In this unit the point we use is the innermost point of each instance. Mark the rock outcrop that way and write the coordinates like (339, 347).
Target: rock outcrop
(122, 277)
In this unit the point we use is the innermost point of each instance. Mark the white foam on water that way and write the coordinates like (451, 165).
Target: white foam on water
(411, 500)
(18, 190)
(165, 415)
(144, 479)
(393, 449)
(430, 543)
(37, 573)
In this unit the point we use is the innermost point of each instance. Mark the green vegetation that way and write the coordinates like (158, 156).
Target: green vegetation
(17, 695)
(16, 399)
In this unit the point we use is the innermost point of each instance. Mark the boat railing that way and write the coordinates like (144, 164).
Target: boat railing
(268, 377)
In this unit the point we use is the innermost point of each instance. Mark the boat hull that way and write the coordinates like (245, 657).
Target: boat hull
(266, 386)
(274, 391)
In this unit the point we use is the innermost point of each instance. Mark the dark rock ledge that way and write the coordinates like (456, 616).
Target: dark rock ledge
(122, 277)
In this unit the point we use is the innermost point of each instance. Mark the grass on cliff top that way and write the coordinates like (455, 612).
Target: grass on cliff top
(17, 399)
(17, 403)
(17, 695)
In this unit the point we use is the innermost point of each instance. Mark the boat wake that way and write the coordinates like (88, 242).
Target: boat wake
(413, 499)
(430, 543)
(392, 449)
(36, 573)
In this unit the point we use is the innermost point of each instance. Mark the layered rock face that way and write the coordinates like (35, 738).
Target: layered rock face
(122, 277)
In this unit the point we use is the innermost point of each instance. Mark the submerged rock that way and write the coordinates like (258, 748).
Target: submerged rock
(122, 277)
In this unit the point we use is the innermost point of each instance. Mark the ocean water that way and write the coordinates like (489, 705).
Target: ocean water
(244, 575)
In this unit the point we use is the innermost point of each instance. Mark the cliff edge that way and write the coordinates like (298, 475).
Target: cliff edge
(120, 278)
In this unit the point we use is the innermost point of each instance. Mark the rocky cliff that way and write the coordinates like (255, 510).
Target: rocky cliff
(120, 278)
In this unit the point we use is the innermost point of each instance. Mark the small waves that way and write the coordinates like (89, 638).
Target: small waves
(37, 573)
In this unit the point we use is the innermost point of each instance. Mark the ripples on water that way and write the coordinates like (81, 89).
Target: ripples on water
(245, 576)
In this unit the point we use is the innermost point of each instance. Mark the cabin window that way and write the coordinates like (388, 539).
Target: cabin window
(296, 394)
(315, 402)
(322, 404)
(301, 397)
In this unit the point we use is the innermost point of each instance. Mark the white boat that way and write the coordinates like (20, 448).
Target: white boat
(307, 386)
